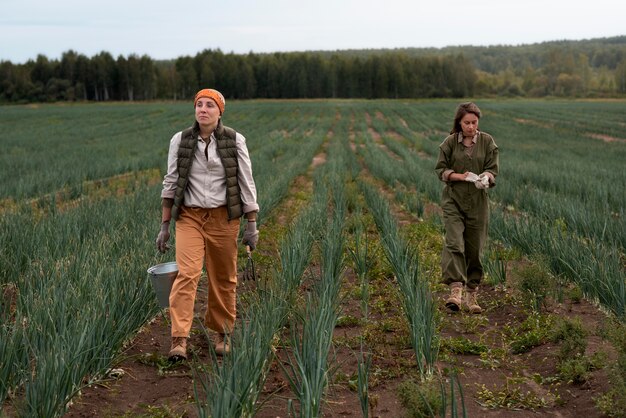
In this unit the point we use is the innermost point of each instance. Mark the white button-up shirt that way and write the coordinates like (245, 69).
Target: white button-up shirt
(206, 187)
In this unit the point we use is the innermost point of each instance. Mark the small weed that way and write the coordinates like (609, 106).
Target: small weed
(611, 404)
(388, 325)
(504, 298)
(534, 331)
(471, 323)
(348, 342)
(348, 321)
(493, 358)
(575, 294)
(544, 380)
(572, 336)
(341, 378)
(462, 345)
(161, 362)
(510, 396)
(575, 370)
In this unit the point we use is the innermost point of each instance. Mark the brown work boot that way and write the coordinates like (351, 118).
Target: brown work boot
(178, 351)
(222, 344)
(469, 303)
(456, 297)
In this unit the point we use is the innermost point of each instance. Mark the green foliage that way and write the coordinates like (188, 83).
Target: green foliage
(586, 68)
(161, 362)
(420, 399)
(308, 371)
(495, 262)
(509, 396)
(348, 321)
(364, 364)
(613, 403)
(417, 301)
(575, 294)
(573, 364)
(432, 397)
(532, 332)
(536, 282)
(572, 336)
(363, 262)
(461, 345)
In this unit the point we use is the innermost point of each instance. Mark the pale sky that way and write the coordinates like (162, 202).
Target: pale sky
(169, 29)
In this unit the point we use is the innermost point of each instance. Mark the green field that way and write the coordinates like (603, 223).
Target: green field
(80, 210)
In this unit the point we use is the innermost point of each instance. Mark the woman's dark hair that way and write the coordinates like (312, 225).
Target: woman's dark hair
(462, 110)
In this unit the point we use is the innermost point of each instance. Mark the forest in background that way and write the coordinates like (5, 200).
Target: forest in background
(573, 69)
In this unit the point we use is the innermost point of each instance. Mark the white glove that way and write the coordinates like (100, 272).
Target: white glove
(471, 177)
(482, 182)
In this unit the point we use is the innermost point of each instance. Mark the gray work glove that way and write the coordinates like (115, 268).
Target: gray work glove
(164, 236)
(250, 235)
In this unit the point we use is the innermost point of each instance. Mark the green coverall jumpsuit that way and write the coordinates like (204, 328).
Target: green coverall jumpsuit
(465, 207)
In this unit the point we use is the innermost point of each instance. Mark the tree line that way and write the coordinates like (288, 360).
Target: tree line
(573, 69)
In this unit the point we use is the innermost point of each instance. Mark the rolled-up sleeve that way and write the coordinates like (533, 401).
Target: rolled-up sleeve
(171, 177)
(442, 168)
(492, 162)
(246, 180)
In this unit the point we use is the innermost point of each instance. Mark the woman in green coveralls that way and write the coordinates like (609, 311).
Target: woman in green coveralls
(468, 165)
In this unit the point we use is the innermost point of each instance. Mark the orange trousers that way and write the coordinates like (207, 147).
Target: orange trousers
(205, 237)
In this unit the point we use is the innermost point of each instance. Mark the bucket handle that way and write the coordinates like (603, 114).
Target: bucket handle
(158, 254)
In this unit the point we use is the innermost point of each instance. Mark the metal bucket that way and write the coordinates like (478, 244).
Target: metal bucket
(162, 277)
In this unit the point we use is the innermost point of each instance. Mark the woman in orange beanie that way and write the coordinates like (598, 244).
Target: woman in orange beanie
(207, 189)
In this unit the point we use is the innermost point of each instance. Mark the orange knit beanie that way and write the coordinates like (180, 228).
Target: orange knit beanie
(211, 94)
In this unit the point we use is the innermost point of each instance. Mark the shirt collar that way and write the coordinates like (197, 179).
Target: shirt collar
(459, 137)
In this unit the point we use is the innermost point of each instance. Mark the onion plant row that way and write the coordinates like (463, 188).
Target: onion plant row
(80, 290)
(419, 307)
(312, 326)
(598, 269)
(231, 387)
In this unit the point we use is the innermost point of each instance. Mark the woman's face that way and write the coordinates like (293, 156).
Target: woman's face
(207, 112)
(469, 124)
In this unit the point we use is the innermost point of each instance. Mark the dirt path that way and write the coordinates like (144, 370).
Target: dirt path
(145, 389)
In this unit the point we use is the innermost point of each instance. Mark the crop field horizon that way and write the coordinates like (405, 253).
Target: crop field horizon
(348, 306)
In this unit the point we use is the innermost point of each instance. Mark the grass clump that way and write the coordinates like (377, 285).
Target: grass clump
(573, 365)
(536, 283)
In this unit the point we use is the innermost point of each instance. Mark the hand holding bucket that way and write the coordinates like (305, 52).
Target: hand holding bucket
(162, 277)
